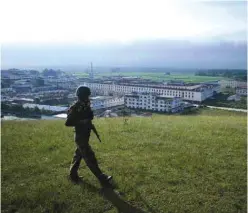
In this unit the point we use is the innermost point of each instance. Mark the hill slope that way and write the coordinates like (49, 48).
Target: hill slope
(160, 164)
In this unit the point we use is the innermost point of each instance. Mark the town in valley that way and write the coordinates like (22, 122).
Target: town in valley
(33, 93)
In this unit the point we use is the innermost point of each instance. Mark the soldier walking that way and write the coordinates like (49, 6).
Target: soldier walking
(80, 116)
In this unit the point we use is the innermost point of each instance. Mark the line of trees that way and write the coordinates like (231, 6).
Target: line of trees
(18, 108)
(233, 73)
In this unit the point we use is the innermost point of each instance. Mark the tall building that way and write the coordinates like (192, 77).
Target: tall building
(91, 74)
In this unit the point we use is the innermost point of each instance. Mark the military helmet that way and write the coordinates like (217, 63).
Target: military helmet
(83, 92)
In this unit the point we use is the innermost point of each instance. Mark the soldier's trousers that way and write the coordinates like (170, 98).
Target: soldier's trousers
(84, 151)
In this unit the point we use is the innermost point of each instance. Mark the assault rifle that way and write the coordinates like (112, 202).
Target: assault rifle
(95, 131)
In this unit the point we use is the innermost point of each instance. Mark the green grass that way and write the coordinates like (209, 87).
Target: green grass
(158, 76)
(194, 164)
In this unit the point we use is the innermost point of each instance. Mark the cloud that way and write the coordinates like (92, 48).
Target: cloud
(112, 20)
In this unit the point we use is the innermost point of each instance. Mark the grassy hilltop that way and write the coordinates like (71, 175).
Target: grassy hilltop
(194, 164)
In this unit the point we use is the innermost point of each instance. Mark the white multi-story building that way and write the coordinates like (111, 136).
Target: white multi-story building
(241, 91)
(102, 102)
(196, 93)
(232, 83)
(153, 102)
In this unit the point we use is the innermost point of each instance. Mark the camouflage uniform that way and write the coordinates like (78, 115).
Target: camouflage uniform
(77, 113)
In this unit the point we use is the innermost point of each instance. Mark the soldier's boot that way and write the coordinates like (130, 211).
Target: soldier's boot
(91, 161)
(73, 176)
(103, 178)
(75, 179)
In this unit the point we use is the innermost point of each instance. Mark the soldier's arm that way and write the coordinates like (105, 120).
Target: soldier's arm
(72, 117)
(86, 121)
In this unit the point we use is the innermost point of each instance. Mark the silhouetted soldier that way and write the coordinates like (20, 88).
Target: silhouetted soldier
(80, 116)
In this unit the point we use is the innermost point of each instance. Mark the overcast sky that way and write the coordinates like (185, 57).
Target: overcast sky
(28, 25)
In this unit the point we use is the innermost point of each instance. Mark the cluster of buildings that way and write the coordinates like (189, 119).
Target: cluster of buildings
(240, 88)
(153, 96)
(28, 86)
(49, 85)
(232, 84)
(240, 91)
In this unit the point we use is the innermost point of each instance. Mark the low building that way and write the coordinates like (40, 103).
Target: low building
(153, 102)
(46, 107)
(6, 90)
(102, 102)
(22, 88)
(241, 91)
(234, 98)
(232, 83)
(23, 100)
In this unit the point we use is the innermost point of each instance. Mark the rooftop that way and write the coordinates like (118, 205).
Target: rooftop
(197, 88)
(46, 107)
(98, 98)
(23, 99)
(157, 96)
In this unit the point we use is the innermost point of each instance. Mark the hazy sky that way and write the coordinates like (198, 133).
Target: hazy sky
(29, 23)
(92, 20)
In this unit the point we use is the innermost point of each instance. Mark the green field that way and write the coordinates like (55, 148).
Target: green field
(158, 76)
(194, 164)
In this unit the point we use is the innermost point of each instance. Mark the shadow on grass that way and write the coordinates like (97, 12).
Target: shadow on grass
(114, 197)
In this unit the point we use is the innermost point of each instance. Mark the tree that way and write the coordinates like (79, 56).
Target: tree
(124, 112)
(37, 100)
(17, 108)
(37, 110)
(5, 106)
